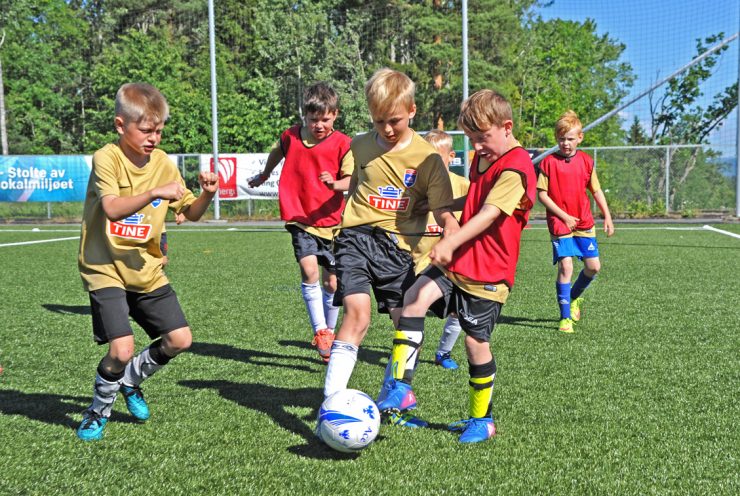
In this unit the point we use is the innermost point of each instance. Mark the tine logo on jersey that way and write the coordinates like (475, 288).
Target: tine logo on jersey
(409, 177)
(389, 199)
(226, 176)
(130, 228)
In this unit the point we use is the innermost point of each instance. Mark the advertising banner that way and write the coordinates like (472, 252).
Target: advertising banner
(53, 178)
(235, 171)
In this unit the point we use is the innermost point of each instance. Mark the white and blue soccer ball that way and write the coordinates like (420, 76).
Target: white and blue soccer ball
(349, 421)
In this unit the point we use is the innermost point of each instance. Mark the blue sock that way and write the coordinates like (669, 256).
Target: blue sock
(580, 285)
(563, 290)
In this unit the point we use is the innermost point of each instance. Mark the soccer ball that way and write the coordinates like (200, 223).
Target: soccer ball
(349, 421)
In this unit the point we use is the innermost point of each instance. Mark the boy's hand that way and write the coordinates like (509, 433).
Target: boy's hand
(608, 227)
(441, 254)
(571, 222)
(326, 178)
(257, 180)
(179, 218)
(208, 181)
(170, 191)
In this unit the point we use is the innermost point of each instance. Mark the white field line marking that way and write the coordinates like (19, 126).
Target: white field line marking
(39, 241)
(726, 233)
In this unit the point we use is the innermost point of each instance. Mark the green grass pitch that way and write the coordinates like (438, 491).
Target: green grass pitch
(643, 399)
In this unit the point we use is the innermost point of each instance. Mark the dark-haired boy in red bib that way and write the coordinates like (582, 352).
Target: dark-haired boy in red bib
(317, 169)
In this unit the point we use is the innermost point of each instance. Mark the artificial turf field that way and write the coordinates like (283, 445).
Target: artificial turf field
(644, 398)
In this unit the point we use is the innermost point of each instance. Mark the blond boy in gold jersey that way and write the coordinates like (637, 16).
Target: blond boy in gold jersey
(395, 169)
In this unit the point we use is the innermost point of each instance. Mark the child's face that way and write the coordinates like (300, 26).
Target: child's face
(321, 124)
(569, 141)
(447, 155)
(492, 143)
(393, 126)
(138, 139)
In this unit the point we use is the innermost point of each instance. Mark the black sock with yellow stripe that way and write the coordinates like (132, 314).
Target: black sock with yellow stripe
(481, 388)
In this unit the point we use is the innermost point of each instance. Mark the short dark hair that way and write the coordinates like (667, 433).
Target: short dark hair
(320, 97)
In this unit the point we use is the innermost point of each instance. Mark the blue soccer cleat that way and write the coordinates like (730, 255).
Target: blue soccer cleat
(399, 397)
(91, 428)
(445, 360)
(135, 402)
(474, 430)
(405, 419)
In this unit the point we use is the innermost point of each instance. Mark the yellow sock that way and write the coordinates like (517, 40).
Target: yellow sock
(481, 393)
(400, 355)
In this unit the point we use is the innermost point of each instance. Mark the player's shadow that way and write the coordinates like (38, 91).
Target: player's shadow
(366, 354)
(252, 357)
(67, 309)
(55, 409)
(274, 402)
(540, 323)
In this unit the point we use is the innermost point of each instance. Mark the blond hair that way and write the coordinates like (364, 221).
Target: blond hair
(387, 90)
(483, 110)
(439, 140)
(136, 102)
(566, 122)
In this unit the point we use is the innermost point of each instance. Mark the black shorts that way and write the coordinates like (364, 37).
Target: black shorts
(157, 312)
(369, 260)
(477, 315)
(306, 244)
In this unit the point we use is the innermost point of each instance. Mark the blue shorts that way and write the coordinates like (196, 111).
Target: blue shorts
(574, 246)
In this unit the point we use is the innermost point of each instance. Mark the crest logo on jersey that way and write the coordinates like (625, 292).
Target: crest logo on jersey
(157, 202)
(390, 199)
(409, 177)
(130, 228)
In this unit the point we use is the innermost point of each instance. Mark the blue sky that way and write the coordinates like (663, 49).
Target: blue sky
(660, 37)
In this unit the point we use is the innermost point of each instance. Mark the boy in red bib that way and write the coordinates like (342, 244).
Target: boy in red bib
(317, 169)
(564, 178)
(473, 269)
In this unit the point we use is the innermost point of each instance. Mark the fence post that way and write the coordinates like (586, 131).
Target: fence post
(667, 179)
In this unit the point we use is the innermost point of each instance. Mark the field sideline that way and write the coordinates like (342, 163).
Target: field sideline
(642, 399)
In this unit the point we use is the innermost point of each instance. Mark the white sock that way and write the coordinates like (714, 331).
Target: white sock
(331, 313)
(104, 395)
(340, 367)
(139, 368)
(314, 305)
(449, 335)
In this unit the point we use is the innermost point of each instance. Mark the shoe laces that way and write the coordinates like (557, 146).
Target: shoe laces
(441, 357)
(134, 391)
(91, 417)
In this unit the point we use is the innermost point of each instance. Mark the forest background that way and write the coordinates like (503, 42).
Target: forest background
(63, 60)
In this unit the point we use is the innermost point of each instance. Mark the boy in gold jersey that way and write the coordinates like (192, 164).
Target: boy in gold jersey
(395, 169)
(442, 142)
(132, 185)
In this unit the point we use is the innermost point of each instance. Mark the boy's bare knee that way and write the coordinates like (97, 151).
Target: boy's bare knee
(177, 341)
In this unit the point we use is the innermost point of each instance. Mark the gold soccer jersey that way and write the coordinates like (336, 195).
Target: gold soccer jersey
(126, 254)
(387, 186)
(420, 254)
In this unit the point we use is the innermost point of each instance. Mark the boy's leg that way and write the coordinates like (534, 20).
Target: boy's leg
(312, 293)
(354, 326)
(447, 341)
(589, 252)
(331, 311)
(562, 289)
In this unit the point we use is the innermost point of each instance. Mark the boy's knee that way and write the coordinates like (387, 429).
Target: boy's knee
(177, 341)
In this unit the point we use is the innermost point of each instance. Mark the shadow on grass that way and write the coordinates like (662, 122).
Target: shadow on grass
(228, 352)
(52, 409)
(543, 324)
(373, 356)
(274, 402)
(67, 309)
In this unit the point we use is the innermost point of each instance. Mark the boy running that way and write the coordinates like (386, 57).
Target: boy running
(562, 184)
(132, 185)
(473, 269)
(395, 169)
(317, 169)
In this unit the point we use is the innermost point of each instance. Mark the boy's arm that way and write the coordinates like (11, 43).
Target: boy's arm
(442, 252)
(120, 207)
(600, 200)
(446, 220)
(209, 185)
(273, 159)
(553, 208)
